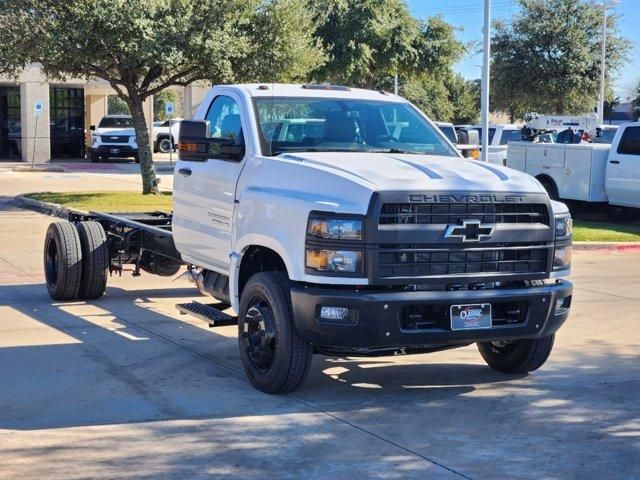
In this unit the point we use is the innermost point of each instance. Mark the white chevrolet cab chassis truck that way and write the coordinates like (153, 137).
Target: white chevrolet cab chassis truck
(342, 222)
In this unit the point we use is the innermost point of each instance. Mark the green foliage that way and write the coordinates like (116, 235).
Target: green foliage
(547, 59)
(369, 41)
(143, 47)
(117, 106)
(161, 99)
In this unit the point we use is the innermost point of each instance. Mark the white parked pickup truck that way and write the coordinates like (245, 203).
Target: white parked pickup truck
(499, 137)
(586, 172)
(114, 137)
(338, 221)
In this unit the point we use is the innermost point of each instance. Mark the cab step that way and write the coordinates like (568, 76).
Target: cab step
(210, 313)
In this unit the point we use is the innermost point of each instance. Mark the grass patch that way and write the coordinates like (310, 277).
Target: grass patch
(108, 201)
(584, 231)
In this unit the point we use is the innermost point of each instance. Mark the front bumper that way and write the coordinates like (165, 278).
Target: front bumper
(379, 319)
(115, 151)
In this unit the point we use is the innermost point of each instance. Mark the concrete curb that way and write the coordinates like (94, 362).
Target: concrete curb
(613, 247)
(39, 168)
(47, 208)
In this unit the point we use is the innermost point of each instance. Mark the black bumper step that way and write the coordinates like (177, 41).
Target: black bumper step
(209, 313)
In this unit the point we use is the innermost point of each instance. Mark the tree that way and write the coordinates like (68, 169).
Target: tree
(117, 106)
(370, 41)
(464, 96)
(160, 101)
(547, 59)
(143, 47)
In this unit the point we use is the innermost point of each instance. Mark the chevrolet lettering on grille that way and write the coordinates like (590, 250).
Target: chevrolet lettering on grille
(469, 231)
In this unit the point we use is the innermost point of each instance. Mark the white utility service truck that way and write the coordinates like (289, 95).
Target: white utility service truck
(359, 231)
(586, 172)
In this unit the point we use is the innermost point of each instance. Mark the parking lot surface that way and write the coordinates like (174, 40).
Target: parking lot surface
(124, 387)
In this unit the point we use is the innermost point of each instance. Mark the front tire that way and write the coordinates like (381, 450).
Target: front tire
(275, 358)
(62, 261)
(95, 260)
(94, 157)
(518, 356)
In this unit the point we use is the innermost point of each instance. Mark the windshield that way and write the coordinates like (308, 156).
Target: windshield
(492, 132)
(510, 136)
(342, 125)
(606, 136)
(116, 122)
(449, 132)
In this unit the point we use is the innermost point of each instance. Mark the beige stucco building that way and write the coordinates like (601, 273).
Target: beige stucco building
(69, 110)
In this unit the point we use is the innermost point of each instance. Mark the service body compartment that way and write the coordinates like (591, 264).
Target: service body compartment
(577, 170)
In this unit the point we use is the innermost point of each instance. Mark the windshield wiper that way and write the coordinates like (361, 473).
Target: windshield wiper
(391, 150)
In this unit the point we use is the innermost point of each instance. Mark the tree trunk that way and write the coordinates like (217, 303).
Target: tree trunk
(147, 170)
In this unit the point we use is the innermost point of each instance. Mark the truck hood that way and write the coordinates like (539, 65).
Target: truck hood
(115, 131)
(409, 172)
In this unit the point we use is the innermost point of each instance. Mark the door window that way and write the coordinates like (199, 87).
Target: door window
(630, 142)
(224, 118)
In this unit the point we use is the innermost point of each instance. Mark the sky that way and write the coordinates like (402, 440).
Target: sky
(468, 15)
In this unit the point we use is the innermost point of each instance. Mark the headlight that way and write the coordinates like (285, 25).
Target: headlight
(335, 228)
(562, 257)
(94, 140)
(323, 260)
(564, 227)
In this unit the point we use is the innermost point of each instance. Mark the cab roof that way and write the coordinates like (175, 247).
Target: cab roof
(315, 91)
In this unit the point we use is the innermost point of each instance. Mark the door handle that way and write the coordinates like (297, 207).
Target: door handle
(614, 161)
(185, 172)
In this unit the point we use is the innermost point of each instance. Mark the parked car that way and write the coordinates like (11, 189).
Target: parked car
(587, 172)
(366, 234)
(499, 136)
(113, 138)
(163, 139)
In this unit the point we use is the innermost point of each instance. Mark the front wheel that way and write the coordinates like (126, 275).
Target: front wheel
(274, 357)
(517, 356)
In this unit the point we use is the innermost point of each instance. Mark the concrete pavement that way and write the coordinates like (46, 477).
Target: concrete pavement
(124, 387)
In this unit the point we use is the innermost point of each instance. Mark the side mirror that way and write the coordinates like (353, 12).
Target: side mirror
(468, 137)
(92, 128)
(196, 144)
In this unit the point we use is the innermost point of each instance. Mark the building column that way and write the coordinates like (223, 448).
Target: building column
(192, 97)
(95, 107)
(29, 93)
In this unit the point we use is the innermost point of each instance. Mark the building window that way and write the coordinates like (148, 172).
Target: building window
(10, 126)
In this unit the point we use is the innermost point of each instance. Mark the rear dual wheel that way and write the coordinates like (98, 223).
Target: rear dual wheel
(76, 260)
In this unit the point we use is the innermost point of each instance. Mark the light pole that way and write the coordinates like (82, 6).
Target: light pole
(603, 52)
(484, 99)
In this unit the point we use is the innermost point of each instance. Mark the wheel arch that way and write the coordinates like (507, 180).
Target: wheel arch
(547, 180)
(253, 258)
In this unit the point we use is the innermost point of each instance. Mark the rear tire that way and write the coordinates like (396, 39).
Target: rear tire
(274, 357)
(519, 356)
(95, 260)
(62, 261)
(165, 145)
(136, 158)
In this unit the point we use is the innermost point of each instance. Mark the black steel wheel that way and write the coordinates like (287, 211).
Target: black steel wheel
(275, 358)
(62, 261)
(95, 260)
(517, 356)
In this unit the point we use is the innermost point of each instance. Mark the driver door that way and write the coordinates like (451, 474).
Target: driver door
(204, 193)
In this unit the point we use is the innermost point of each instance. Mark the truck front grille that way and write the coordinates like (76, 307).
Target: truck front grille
(417, 260)
(114, 138)
(437, 213)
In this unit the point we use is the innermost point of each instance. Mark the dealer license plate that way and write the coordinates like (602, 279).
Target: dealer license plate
(470, 317)
(115, 150)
